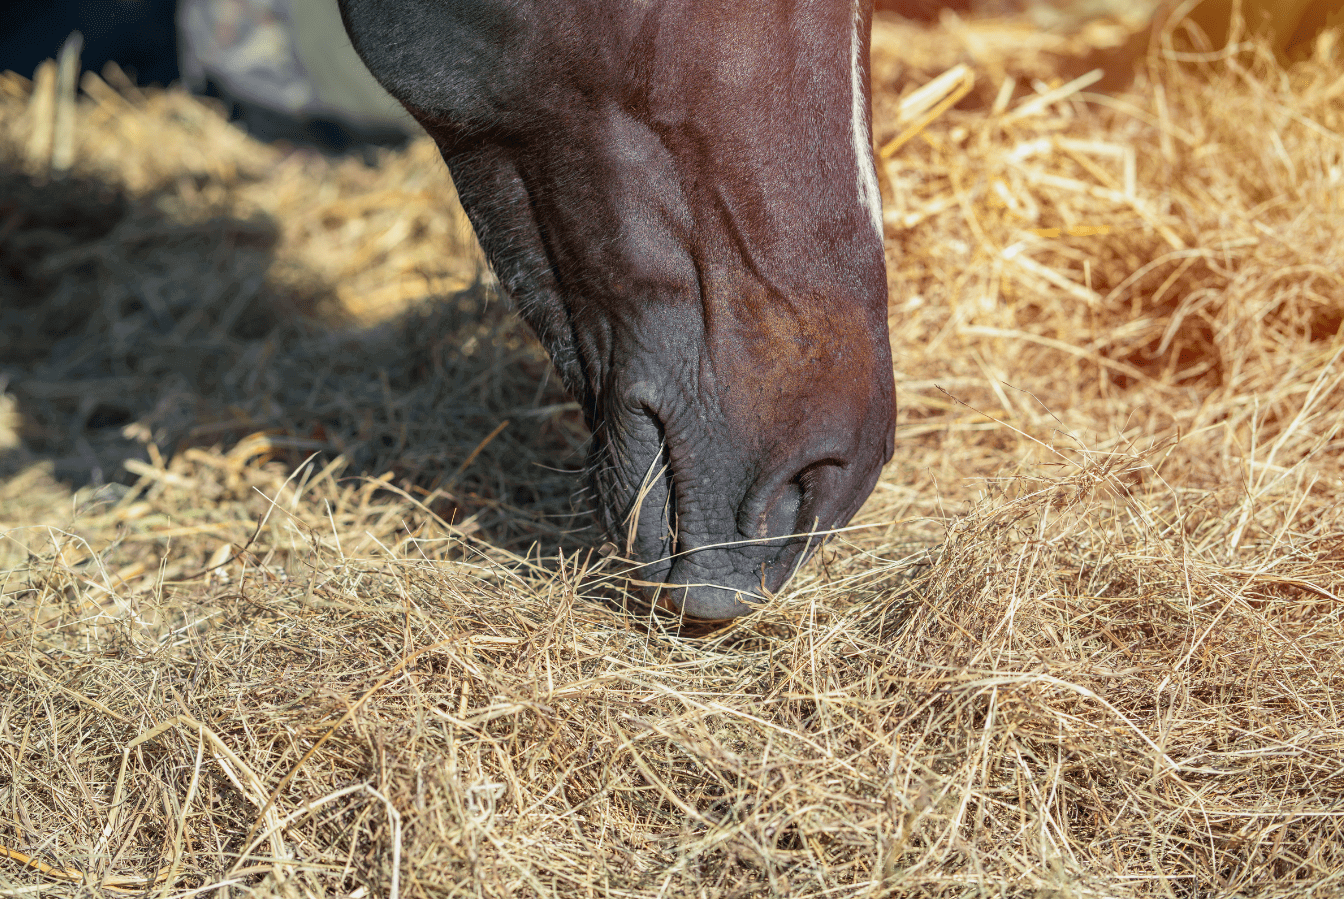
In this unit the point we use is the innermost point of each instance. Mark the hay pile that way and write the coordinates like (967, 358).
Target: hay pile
(331, 627)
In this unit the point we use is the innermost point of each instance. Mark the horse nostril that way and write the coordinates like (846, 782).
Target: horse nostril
(790, 509)
(780, 517)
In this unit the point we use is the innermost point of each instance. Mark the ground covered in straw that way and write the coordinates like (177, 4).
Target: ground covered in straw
(298, 594)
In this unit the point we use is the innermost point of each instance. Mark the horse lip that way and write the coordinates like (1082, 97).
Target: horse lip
(715, 582)
(700, 607)
(694, 591)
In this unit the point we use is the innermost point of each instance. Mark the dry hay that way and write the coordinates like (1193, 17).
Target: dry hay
(1088, 640)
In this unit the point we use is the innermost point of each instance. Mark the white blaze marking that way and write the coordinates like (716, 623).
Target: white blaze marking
(869, 194)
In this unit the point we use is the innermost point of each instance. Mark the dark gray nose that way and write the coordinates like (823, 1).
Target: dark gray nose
(779, 524)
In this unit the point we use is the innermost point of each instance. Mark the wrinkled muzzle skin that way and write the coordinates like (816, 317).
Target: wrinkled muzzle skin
(679, 195)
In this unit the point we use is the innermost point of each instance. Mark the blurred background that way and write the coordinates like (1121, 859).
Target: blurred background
(286, 70)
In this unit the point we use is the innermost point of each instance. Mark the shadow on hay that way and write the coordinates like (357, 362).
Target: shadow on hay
(132, 328)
